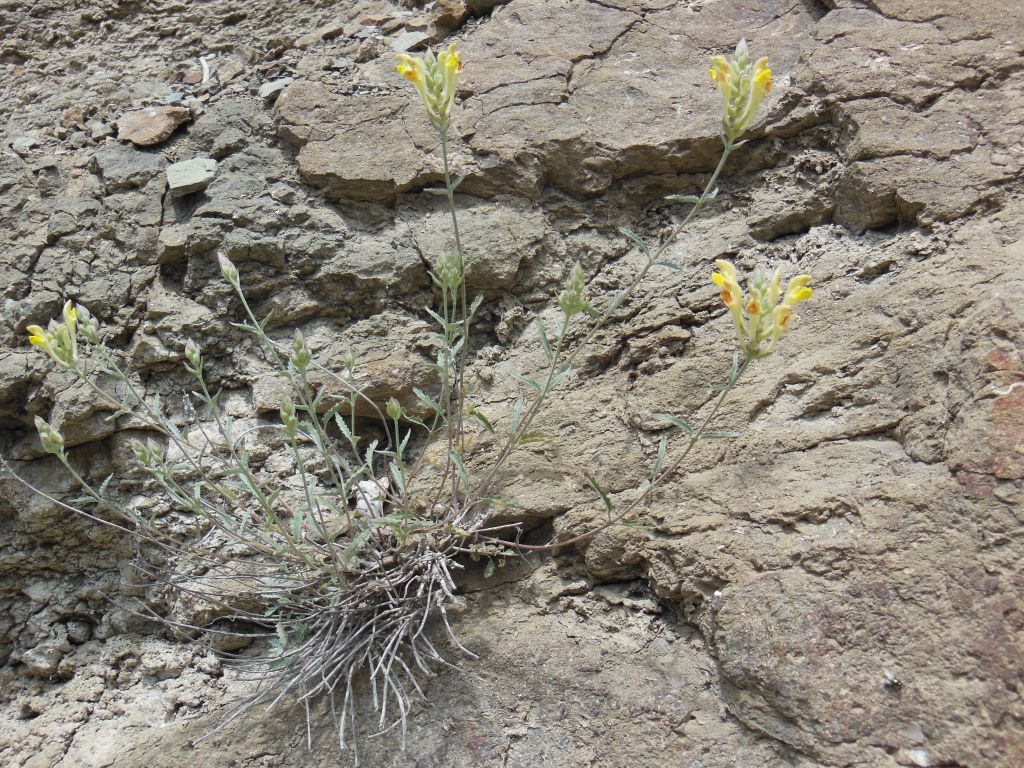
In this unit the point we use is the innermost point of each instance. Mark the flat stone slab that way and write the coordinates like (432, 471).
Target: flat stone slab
(150, 126)
(407, 41)
(271, 89)
(191, 176)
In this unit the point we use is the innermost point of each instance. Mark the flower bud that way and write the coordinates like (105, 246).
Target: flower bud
(349, 361)
(228, 270)
(394, 409)
(760, 318)
(59, 338)
(141, 452)
(301, 355)
(193, 355)
(435, 79)
(52, 439)
(744, 85)
(289, 420)
(88, 325)
(571, 299)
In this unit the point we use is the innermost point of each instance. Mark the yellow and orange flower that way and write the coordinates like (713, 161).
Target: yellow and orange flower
(435, 78)
(760, 317)
(743, 84)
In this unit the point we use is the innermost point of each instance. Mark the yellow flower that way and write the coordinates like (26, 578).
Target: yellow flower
(59, 340)
(796, 291)
(37, 336)
(71, 324)
(732, 294)
(760, 318)
(435, 78)
(743, 85)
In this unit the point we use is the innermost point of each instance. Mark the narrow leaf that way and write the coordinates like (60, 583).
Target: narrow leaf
(461, 467)
(440, 320)
(343, 427)
(532, 437)
(528, 382)
(692, 199)
(426, 399)
(370, 452)
(544, 338)
(600, 492)
(398, 475)
(482, 419)
(357, 544)
(517, 414)
(637, 241)
(636, 524)
(489, 568)
(616, 299)
(560, 377)
(675, 421)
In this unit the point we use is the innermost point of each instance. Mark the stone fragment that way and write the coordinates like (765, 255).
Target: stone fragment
(370, 49)
(24, 145)
(449, 13)
(332, 29)
(151, 126)
(191, 176)
(231, 140)
(408, 41)
(342, 62)
(124, 168)
(99, 129)
(270, 90)
(328, 31)
(483, 7)
(310, 38)
(230, 69)
(43, 660)
(72, 117)
(79, 631)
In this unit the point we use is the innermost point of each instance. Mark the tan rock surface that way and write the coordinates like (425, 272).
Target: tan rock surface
(841, 585)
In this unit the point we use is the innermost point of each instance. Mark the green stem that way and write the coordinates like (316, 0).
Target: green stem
(655, 483)
(464, 351)
(538, 402)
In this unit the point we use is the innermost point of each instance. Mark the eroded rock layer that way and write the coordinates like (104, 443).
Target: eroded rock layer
(841, 585)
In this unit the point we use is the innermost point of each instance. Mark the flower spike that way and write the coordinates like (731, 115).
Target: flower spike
(743, 85)
(760, 317)
(435, 79)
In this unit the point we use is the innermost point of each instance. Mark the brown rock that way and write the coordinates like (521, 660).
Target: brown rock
(450, 13)
(150, 126)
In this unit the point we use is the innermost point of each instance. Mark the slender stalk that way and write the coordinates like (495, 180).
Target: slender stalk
(655, 482)
(481, 491)
(464, 351)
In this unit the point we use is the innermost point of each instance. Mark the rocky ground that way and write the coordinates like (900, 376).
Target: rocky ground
(841, 585)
